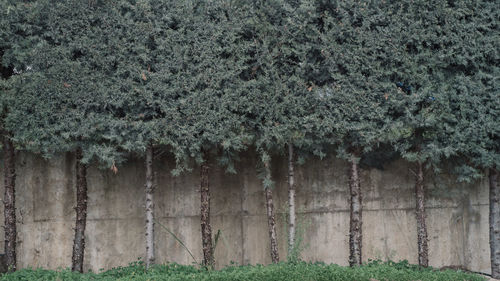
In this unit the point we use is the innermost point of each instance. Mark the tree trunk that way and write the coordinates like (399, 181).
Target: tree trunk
(423, 251)
(81, 213)
(355, 229)
(270, 219)
(206, 228)
(494, 224)
(291, 199)
(9, 202)
(150, 250)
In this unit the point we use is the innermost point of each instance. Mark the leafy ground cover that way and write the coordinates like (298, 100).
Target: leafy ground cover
(373, 271)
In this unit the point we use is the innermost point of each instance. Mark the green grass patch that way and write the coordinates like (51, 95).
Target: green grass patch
(283, 271)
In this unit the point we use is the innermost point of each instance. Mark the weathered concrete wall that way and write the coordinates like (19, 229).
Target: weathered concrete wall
(457, 215)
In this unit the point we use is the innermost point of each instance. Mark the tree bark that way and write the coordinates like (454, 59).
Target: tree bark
(206, 228)
(494, 224)
(81, 213)
(150, 253)
(423, 250)
(291, 199)
(355, 226)
(9, 202)
(271, 219)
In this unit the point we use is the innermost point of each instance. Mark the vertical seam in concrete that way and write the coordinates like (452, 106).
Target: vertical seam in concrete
(242, 200)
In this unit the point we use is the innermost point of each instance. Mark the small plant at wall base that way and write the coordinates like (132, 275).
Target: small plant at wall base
(294, 253)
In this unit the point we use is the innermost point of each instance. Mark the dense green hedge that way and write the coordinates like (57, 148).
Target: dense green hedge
(281, 271)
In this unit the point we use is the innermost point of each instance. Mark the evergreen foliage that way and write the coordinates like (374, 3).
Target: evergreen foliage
(352, 74)
(209, 57)
(128, 72)
(472, 72)
(56, 103)
(421, 135)
(279, 87)
(355, 103)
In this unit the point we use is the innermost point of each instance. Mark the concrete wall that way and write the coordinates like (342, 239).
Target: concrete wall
(457, 214)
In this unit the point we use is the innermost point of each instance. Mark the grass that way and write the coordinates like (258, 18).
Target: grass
(387, 271)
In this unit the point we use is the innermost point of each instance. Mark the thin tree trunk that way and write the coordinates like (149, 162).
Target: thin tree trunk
(423, 250)
(150, 250)
(270, 219)
(9, 202)
(355, 226)
(206, 228)
(494, 224)
(291, 200)
(81, 213)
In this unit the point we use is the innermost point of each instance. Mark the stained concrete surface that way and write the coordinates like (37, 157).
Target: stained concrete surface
(457, 214)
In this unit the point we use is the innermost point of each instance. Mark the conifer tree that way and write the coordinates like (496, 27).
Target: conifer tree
(469, 69)
(54, 104)
(206, 125)
(127, 51)
(18, 26)
(354, 102)
(278, 92)
(130, 36)
(435, 42)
